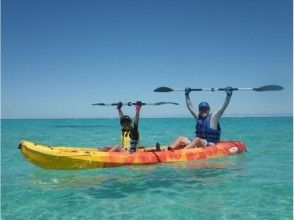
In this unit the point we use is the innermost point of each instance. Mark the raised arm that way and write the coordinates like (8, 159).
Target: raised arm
(138, 108)
(189, 104)
(119, 110)
(218, 114)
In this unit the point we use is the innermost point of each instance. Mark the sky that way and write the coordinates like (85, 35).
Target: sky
(60, 56)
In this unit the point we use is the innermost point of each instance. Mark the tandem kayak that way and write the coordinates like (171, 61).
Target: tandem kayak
(73, 158)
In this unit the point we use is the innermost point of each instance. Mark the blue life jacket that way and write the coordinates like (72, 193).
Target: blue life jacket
(204, 131)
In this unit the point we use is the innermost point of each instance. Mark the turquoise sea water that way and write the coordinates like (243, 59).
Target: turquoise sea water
(252, 185)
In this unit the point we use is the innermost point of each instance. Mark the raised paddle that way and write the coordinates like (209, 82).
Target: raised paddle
(135, 103)
(259, 89)
(112, 104)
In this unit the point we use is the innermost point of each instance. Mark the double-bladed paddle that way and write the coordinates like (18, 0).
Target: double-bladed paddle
(136, 103)
(259, 89)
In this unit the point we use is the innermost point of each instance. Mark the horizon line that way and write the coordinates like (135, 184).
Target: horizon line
(156, 117)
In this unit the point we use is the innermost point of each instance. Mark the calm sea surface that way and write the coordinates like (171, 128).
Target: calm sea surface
(252, 185)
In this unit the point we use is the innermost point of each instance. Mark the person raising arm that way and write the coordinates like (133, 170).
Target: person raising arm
(129, 133)
(208, 130)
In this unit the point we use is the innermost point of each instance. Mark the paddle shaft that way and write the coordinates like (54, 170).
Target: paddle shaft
(259, 89)
(215, 89)
(135, 103)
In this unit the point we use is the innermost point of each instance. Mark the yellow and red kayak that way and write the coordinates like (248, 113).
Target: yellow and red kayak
(71, 158)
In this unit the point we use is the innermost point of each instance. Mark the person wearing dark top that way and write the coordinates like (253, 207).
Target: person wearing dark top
(129, 131)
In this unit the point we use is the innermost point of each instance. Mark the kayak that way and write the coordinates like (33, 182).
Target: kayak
(74, 158)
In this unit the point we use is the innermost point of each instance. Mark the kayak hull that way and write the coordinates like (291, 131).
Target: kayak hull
(74, 158)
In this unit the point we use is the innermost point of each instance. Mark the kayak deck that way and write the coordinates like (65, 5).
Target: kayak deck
(61, 157)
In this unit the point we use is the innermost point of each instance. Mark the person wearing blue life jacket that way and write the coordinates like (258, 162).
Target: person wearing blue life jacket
(129, 136)
(208, 129)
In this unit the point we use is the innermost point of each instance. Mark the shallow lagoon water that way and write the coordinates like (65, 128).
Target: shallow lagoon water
(253, 185)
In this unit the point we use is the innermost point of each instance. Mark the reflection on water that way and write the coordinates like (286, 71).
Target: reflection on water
(118, 182)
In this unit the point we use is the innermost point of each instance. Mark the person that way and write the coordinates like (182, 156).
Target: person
(129, 131)
(208, 129)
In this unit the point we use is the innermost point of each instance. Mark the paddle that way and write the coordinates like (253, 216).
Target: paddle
(112, 104)
(135, 103)
(259, 89)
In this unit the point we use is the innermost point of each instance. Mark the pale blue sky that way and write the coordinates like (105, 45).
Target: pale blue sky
(59, 56)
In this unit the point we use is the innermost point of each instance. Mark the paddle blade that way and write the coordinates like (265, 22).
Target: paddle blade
(98, 104)
(163, 89)
(268, 88)
(162, 103)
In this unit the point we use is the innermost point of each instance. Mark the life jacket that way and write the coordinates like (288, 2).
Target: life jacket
(127, 137)
(204, 131)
